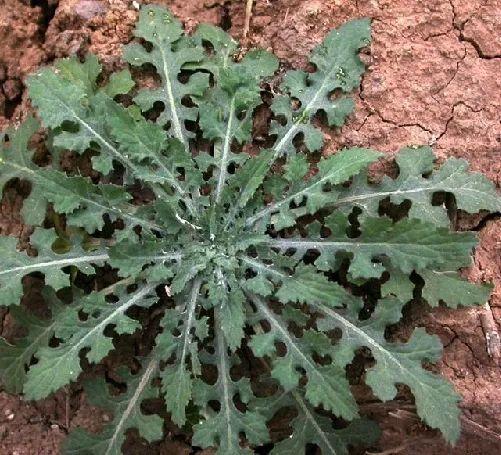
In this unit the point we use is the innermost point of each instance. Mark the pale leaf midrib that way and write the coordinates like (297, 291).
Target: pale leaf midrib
(293, 128)
(56, 263)
(192, 305)
(115, 210)
(288, 340)
(119, 309)
(263, 267)
(274, 206)
(221, 346)
(313, 422)
(94, 133)
(425, 189)
(278, 147)
(223, 166)
(370, 342)
(327, 244)
(143, 383)
(178, 132)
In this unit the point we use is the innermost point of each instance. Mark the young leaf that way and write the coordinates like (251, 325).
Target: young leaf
(127, 413)
(338, 67)
(227, 108)
(436, 400)
(15, 358)
(418, 182)
(170, 53)
(226, 425)
(17, 264)
(58, 366)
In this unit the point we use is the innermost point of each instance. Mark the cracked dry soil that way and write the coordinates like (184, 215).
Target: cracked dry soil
(432, 78)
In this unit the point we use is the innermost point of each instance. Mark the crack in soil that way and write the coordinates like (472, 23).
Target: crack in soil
(372, 110)
(451, 117)
(435, 137)
(459, 27)
(449, 82)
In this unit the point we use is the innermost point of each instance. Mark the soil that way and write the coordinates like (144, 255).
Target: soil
(433, 78)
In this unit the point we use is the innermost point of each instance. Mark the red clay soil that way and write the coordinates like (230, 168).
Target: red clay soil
(433, 78)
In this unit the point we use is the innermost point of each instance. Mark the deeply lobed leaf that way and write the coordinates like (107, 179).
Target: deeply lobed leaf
(127, 414)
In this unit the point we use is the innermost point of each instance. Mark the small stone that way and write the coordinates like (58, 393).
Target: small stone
(87, 9)
(168, 291)
(12, 89)
(261, 21)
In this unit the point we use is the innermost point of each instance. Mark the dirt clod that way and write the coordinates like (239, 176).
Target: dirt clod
(12, 89)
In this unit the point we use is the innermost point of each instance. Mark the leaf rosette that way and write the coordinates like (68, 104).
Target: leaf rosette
(261, 256)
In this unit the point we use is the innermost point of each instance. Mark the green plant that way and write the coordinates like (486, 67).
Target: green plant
(281, 256)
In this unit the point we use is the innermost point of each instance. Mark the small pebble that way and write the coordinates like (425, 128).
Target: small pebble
(12, 89)
(87, 9)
